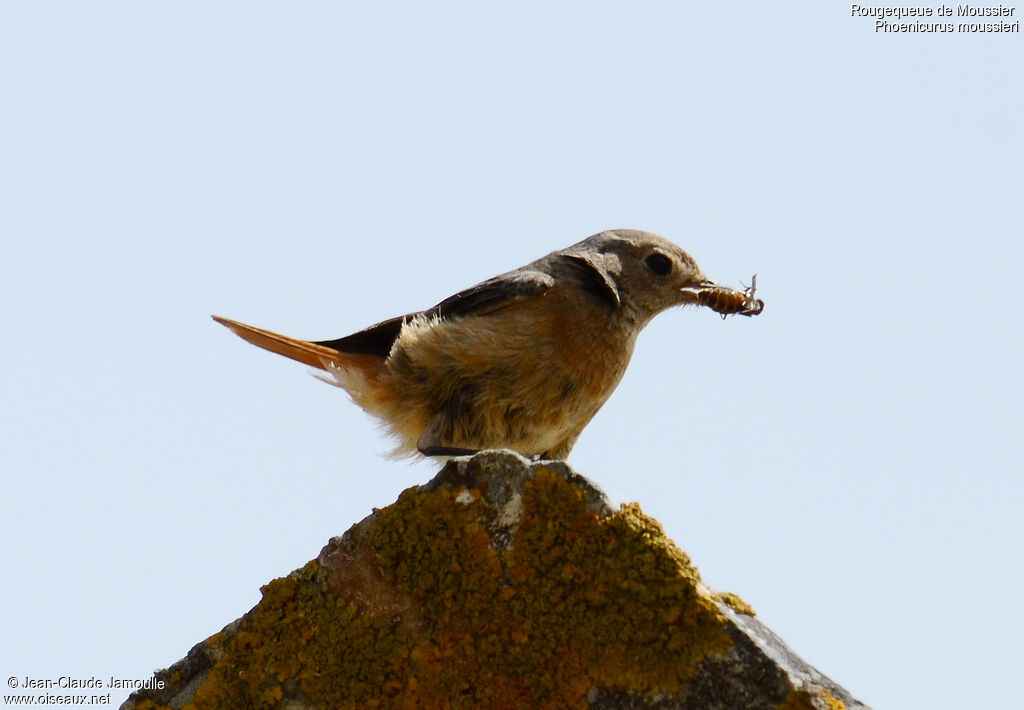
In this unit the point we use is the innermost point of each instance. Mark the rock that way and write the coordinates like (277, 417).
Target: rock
(505, 584)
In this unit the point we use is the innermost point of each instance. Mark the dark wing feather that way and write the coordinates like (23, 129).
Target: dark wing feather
(493, 294)
(375, 340)
(482, 299)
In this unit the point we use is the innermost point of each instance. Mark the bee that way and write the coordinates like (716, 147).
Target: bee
(728, 301)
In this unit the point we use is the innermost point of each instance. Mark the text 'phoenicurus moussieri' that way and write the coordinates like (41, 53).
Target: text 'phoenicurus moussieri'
(522, 361)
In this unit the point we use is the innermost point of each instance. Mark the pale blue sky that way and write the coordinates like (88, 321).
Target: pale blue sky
(849, 462)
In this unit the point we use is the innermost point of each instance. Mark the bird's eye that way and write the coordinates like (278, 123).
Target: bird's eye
(659, 264)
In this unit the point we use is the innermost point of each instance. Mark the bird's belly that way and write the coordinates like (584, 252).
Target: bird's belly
(483, 386)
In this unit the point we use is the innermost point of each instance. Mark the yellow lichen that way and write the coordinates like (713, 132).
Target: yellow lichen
(832, 701)
(734, 602)
(576, 602)
(148, 704)
(805, 700)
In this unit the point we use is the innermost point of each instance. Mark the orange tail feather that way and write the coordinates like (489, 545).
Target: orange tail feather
(304, 351)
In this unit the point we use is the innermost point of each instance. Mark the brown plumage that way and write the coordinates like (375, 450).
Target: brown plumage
(521, 361)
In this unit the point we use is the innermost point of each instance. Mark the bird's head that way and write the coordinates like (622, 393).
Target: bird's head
(642, 273)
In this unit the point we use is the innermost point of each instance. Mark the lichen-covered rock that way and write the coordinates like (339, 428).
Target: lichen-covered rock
(499, 584)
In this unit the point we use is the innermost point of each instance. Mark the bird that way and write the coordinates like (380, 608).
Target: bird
(521, 361)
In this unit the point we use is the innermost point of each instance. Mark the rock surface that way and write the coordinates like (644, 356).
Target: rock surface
(499, 584)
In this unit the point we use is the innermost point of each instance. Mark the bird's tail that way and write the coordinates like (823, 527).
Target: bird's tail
(311, 354)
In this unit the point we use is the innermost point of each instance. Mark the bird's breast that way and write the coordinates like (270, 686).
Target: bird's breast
(528, 377)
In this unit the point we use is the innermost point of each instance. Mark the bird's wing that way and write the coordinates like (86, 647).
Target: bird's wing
(483, 299)
(493, 294)
(375, 340)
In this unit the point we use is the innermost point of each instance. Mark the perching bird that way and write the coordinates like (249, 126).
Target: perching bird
(521, 361)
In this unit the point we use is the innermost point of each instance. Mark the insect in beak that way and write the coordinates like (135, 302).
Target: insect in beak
(728, 301)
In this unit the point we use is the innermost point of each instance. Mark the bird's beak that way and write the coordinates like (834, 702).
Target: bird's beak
(701, 285)
(689, 293)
